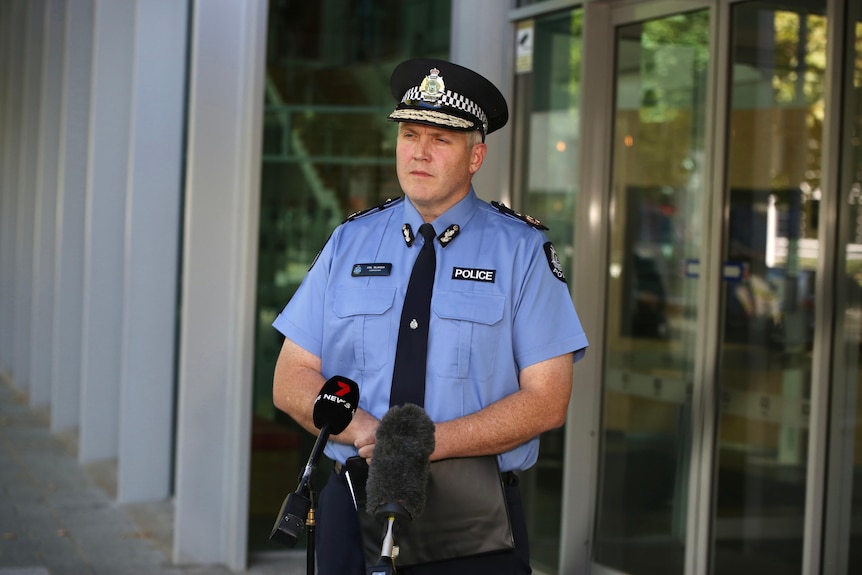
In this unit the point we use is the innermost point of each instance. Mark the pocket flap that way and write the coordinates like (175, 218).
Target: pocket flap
(363, 301)
(469, 306)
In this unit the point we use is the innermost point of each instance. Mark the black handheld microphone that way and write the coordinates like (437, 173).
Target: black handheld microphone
(398, 474)
(333, 410)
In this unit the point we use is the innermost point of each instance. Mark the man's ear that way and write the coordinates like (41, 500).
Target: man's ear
(477, 156)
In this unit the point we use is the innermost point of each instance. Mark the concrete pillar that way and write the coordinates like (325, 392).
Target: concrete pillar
(152, 252)
(110, 110)
(489, 50)
(71, 202)
(226, 88)
(47, 164)
(27, 141)
(11, 67)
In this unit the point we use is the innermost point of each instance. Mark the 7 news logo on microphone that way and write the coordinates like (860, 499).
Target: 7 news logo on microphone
(338, 396)
(335, 404)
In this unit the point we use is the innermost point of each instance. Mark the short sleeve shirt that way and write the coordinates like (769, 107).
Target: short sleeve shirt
(500, 303)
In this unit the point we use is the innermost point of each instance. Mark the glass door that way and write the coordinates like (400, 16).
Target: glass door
(708, 349)
(658, 201)
(772, 199)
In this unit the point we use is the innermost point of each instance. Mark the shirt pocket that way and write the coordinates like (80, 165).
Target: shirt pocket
(465, 337)
(363, 327)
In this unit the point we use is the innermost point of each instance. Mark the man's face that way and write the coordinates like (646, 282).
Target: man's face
(435, 166)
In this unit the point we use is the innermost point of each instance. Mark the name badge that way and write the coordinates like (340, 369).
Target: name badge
(365, 270)
(473, 274)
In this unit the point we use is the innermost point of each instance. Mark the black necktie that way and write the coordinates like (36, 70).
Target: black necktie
(408, 379)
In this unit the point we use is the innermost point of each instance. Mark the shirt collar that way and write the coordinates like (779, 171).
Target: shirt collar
(459, 214)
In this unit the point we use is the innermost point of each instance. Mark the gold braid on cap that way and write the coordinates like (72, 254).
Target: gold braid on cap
(408, 114)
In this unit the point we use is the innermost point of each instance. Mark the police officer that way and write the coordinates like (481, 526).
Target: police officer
(503, 332)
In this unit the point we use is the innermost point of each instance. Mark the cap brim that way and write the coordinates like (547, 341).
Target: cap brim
(432, 118)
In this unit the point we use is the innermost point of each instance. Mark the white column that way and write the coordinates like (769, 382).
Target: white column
(152, 252)
(11, 66)
(26, 190)
(41, 338)
(488, 49)
(71, 198)
(110, 109)
(219, 279)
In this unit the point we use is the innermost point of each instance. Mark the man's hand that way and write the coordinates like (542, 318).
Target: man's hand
(366, 435)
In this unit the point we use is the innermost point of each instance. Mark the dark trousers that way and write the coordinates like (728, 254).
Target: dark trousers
(339, 540)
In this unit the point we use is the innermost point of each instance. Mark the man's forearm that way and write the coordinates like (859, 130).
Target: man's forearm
(501, 426)
(540, 405)
(296, 384)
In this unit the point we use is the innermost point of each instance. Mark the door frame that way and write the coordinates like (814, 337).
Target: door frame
(827, 528)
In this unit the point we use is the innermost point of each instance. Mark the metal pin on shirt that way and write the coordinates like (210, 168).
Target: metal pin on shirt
(414, 324)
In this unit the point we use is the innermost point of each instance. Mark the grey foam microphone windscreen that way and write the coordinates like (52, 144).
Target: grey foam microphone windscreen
(400, 464)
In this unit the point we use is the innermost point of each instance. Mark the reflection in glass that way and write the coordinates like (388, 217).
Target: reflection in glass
(771, 250)
(849, 412)
(656, 239)
(547, 122)
(327, 151)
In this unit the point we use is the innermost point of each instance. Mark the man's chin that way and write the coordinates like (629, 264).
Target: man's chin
(420, 195)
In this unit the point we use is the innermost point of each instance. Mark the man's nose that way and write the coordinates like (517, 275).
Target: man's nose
(420, 149)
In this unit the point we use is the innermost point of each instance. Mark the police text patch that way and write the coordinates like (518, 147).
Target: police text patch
(473, 274)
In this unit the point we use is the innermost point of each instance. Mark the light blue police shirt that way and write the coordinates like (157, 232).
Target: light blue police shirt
(500, 303)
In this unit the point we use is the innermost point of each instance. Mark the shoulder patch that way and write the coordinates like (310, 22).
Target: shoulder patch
(377, 208)
(554, 262)
(504, 209)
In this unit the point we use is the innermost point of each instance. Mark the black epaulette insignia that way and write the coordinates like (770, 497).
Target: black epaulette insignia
(407, 232)
(504, 209)
(449, 234)
(376, 208)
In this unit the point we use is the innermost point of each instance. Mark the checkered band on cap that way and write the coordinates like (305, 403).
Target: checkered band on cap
(452, 100)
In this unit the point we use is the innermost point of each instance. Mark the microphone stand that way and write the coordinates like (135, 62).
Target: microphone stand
(299, 505)
(310, 524)
(394, 516)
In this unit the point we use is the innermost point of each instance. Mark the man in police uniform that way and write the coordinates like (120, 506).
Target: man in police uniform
(503, 332)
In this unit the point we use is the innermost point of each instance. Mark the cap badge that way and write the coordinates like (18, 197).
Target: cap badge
(432, 87)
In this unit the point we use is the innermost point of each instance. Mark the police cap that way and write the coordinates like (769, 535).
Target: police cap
(440, 93)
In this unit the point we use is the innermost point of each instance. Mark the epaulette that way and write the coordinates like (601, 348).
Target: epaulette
(377, 208)
(504, 209)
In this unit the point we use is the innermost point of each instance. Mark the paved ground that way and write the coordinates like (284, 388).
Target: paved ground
(58, 517)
